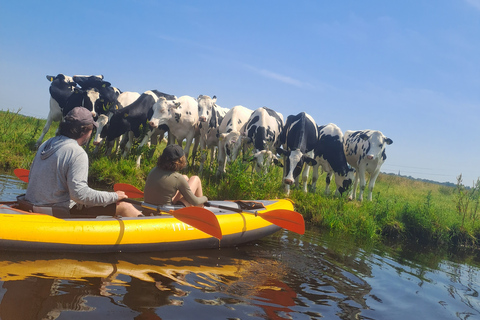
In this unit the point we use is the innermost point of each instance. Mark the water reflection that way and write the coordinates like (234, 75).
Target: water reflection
(284, 276)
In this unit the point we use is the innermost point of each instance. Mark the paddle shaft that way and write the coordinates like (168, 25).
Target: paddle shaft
(152, 206)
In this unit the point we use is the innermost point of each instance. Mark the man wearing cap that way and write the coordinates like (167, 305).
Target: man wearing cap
(59, 172)
(165, 185)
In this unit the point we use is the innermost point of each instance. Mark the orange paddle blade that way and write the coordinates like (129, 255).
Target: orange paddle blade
(200, 218)
(287, 219)
(129, 190)
(22, 174)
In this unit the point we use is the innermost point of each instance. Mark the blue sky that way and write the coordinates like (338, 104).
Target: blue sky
(410, 69)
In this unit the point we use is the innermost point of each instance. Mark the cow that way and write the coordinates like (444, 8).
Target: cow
(210, 116)
(262, 130)
(181, 117)
(61, 88)
(65, 95)
(124, 99)
(330, 156)
(298, 139)
(365, 151)
(133, 119)
(230, 138)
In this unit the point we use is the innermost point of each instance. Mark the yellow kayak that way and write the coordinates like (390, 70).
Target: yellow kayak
(20, 230)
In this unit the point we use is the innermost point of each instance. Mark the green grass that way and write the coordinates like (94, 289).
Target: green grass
(401, 208)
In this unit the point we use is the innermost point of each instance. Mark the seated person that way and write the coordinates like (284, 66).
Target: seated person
(59, 172)
(165, 185)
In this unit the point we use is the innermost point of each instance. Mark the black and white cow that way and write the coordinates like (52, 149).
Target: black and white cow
(330, 156)
(365, 151)
(298, 139)
(181, 117)
(61, 88)
(65, 95)
(124, 99)
(262, 130)
(210, 116)
(134, 120)
(230, 138)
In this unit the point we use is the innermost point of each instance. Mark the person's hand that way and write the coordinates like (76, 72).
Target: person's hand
(121, 195)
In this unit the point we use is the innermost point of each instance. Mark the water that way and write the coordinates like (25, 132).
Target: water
(284, 276)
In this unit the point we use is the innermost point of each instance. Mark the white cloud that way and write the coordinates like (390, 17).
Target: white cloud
(278, 77)
(474, 3)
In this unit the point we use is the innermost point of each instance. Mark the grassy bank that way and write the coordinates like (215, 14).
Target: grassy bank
(401, 208)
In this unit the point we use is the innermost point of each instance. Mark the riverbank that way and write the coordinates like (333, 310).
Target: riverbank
(405, 209)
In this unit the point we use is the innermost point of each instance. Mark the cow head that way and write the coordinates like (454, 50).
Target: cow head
(63, 81)
(163, 110)
(205, 107)
(294, 160)
(231, 142)
(264, 158)
(376, 145)
(344, 181)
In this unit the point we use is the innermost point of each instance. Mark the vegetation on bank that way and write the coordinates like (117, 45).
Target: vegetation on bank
(402, 208)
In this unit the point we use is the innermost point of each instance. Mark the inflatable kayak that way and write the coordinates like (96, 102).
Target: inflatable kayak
(21, 230)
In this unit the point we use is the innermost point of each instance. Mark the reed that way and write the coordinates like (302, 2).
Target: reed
(401, 208)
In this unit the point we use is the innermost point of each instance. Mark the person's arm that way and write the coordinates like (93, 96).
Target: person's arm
(80, 192)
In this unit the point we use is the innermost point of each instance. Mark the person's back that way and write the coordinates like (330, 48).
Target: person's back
(164, 185)
(59, 174)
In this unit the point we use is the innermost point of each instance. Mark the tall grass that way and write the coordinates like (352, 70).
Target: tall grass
(401, 208)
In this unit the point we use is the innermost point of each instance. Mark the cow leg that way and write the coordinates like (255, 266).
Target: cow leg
(129, 144)
(371, 183)
(203, 154)
(221, 157)
(362, 181)
(353, 191)
(316, 167)
(328, 179)
(45, 130)
(305, 172)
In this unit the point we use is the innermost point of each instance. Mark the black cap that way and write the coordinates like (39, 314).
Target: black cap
(81, 115)
(172, 152)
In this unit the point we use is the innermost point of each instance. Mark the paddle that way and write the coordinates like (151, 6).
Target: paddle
(200, 218)
(283, 218)
(22, 174)
(287, 219)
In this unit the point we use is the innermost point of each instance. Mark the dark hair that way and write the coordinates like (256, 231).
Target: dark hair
(171, 165)
(73, 130)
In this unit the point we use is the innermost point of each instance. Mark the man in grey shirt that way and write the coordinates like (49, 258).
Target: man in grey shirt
(59, 172)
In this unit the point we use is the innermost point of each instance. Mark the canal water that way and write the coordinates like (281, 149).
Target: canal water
(284, 276)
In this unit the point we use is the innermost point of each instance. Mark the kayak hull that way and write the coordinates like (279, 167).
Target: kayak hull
(23, 231)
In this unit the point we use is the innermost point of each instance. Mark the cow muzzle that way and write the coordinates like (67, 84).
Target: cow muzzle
(288, 181)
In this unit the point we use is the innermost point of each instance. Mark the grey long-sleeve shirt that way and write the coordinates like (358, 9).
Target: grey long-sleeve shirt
(58, 176)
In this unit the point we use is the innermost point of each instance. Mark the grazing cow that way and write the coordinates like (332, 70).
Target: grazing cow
(210, 116)
(181, 117)
(298, 138)
(134, 120)
(123, 100)
(230, 135)
(329, 154)
(262, 130)
(365, 151)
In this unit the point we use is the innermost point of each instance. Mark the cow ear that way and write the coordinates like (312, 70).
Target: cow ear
(281, 152)
(388, 141)
(277, 163)
(310, 161)
(50, 78)
(364, 136)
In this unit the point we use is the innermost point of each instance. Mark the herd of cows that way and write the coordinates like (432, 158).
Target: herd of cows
(124, 117)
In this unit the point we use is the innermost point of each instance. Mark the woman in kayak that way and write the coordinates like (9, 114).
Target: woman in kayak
(165, 185)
